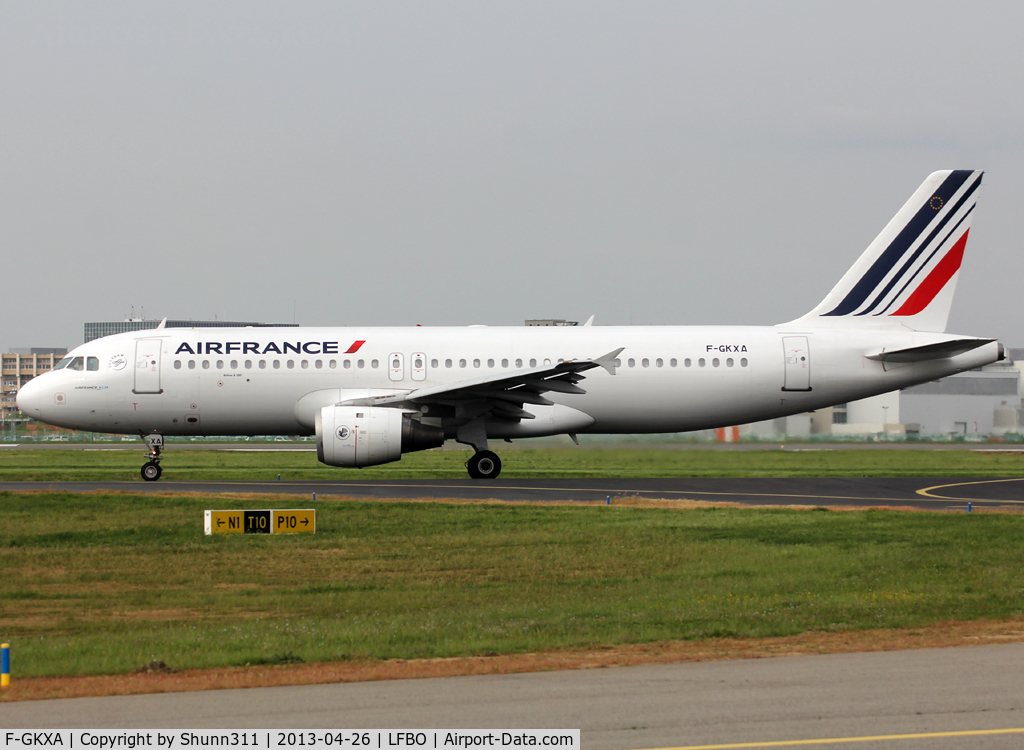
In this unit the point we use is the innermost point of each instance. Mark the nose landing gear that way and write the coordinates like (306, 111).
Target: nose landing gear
(151, 470)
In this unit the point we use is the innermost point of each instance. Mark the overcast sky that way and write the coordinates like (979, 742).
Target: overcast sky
(457, 163)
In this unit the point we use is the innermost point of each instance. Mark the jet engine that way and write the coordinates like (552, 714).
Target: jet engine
(357, 436)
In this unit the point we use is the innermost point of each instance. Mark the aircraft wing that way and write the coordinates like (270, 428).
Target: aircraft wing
(502, 394)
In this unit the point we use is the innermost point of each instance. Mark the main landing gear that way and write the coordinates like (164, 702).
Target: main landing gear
(484, 465)
(151, 470)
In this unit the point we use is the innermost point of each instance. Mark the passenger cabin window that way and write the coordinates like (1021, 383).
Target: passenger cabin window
(360, 363)
(277, 364)
(191, 364)
(177, 364)
(93, 364)
(462, 363)
(319, 364)
(305, 364)
(490, 363)
(447, 363)
(220, 364)
(519, 363)
(206, 364)
(374, 364)
(347, 364)
(631, 362)
(333, 364)
(533, 363)
(290, 364)
(476, 363)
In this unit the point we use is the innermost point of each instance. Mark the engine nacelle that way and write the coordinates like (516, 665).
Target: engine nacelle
(356, 436)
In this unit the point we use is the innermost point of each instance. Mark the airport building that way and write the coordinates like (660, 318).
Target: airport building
(18, 366)
(96, 330)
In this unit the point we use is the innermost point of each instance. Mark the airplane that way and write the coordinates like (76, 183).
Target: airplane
(371, 394)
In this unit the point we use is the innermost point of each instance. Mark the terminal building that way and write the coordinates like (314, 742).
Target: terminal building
(96, 330)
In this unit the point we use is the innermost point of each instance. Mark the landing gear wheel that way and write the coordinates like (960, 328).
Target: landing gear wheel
(151, 471)
(484, 465)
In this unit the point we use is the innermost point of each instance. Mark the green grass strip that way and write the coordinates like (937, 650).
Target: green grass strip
(25, 464)
(106, 583)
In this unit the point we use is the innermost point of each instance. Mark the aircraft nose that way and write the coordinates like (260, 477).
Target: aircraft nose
(30, 398)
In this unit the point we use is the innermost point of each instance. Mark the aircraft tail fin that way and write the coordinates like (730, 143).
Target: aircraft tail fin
(908, 274)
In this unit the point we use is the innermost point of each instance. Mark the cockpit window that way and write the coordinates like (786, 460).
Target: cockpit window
(76, 364)
(92, 364)
(63, 363)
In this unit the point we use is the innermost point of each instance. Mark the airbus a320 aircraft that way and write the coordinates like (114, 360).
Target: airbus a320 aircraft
(371, 394)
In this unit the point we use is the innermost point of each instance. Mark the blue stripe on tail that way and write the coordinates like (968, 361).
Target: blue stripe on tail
(899, 246)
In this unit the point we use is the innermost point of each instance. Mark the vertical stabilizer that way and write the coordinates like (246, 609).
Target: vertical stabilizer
(908, 274)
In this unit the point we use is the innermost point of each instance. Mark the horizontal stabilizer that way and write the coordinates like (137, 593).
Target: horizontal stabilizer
(942, 350)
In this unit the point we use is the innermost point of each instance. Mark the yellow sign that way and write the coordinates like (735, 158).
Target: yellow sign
(224, 522)
(294, 521)
(260, 521)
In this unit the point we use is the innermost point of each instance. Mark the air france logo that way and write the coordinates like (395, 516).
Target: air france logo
(117, 362)
(343, 433)
(272, 347)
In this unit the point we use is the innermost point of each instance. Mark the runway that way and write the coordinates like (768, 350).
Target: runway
(931, 493)
(959, 697)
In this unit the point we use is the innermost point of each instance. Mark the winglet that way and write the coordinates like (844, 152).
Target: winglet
(590, 322)
(608, 360)
(163, 324)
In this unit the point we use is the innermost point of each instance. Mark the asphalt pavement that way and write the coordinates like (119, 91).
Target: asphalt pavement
(931, 493)
(930, 699)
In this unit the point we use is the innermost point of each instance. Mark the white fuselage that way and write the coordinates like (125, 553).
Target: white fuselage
(266, 381)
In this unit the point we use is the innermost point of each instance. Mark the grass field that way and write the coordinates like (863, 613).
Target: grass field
(184, 465)
(100, 583)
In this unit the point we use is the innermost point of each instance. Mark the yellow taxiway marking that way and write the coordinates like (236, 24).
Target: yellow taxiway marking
(928, 491)
(620, 491)
(836, 740)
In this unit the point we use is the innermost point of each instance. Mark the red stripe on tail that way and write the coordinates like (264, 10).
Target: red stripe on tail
(936, 280)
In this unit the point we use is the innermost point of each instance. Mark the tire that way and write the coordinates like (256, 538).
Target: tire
(151, 471)
(484, 465)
